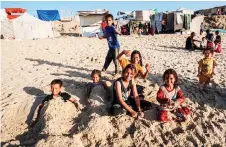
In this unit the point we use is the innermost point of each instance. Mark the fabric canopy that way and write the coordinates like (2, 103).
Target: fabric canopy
(48, 15)
(11, 11)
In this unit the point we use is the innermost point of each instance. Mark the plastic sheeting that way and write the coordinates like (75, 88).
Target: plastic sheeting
(48, 15)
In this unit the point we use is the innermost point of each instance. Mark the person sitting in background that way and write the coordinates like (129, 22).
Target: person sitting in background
(190, 45)
(202, 43)
(209, 37)
(218, 37)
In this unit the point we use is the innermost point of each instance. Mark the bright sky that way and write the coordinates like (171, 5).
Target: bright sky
(113, 6)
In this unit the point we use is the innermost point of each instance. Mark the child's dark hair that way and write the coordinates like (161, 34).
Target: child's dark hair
(57, 81)
(137, 52)
(129, 66)
(208, 31)
(95, 71)
(217, 32)
(109, 16)
(209, 49)
(173, 72)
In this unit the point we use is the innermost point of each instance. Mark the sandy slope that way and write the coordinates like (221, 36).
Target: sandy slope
(29, 66)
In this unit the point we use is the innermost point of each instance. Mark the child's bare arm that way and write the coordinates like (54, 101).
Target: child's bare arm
(144, 75)
(126, 52)
(36, 114)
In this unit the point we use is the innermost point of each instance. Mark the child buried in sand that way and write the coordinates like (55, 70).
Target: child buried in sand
(123, 102)
(171, 97)
(94, 94)
(56, 87)
(206, 68)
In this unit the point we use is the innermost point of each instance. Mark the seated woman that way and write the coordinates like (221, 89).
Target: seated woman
(136, 60)
(190, 45)
(122, 101)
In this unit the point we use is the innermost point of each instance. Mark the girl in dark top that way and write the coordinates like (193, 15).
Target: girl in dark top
(123, 101)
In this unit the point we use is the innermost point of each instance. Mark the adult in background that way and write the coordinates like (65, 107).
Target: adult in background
(190, 42)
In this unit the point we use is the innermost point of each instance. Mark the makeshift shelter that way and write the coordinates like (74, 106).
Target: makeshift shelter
(174, 22)
(26, 27)
(13, 13)
(90, 22)
(185, 11)
(143, 15)
(124, 26)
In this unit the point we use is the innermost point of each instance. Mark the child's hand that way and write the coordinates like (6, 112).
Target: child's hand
(147, 66)
(127, 53)
(133, 114)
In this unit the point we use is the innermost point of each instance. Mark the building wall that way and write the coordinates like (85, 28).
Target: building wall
(91, 19)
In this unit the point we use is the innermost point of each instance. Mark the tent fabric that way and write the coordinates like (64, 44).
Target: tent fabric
(187, 21)
(170, 22)
(3, 15)
(26, 27)
(48, 15)
(176, 25)
(10, 11)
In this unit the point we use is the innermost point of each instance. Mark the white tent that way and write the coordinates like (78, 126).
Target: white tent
(3, 15)
(90, 22)
(26, 27)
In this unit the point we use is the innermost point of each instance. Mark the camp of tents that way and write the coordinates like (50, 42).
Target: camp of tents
(26, 26)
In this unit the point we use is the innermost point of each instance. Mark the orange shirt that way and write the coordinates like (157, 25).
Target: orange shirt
(124, 62)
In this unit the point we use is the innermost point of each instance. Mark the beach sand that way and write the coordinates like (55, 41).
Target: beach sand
(28, 67)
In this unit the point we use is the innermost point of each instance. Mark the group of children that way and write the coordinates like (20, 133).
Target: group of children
(125, 92)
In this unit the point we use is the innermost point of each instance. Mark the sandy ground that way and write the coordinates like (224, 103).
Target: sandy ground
(29, 66)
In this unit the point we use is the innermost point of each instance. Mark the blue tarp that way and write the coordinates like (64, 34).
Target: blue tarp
(48, 15)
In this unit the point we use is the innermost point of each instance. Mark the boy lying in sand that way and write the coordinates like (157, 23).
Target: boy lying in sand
(171, 97)
(56, 87)
(97, 82)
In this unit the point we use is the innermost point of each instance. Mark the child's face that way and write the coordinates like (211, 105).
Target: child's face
(56, 89)
(128, 75)
(207, 54)
(170, 80)
(203, 39)
(109, 21)
(95, 78)
(136, 58)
